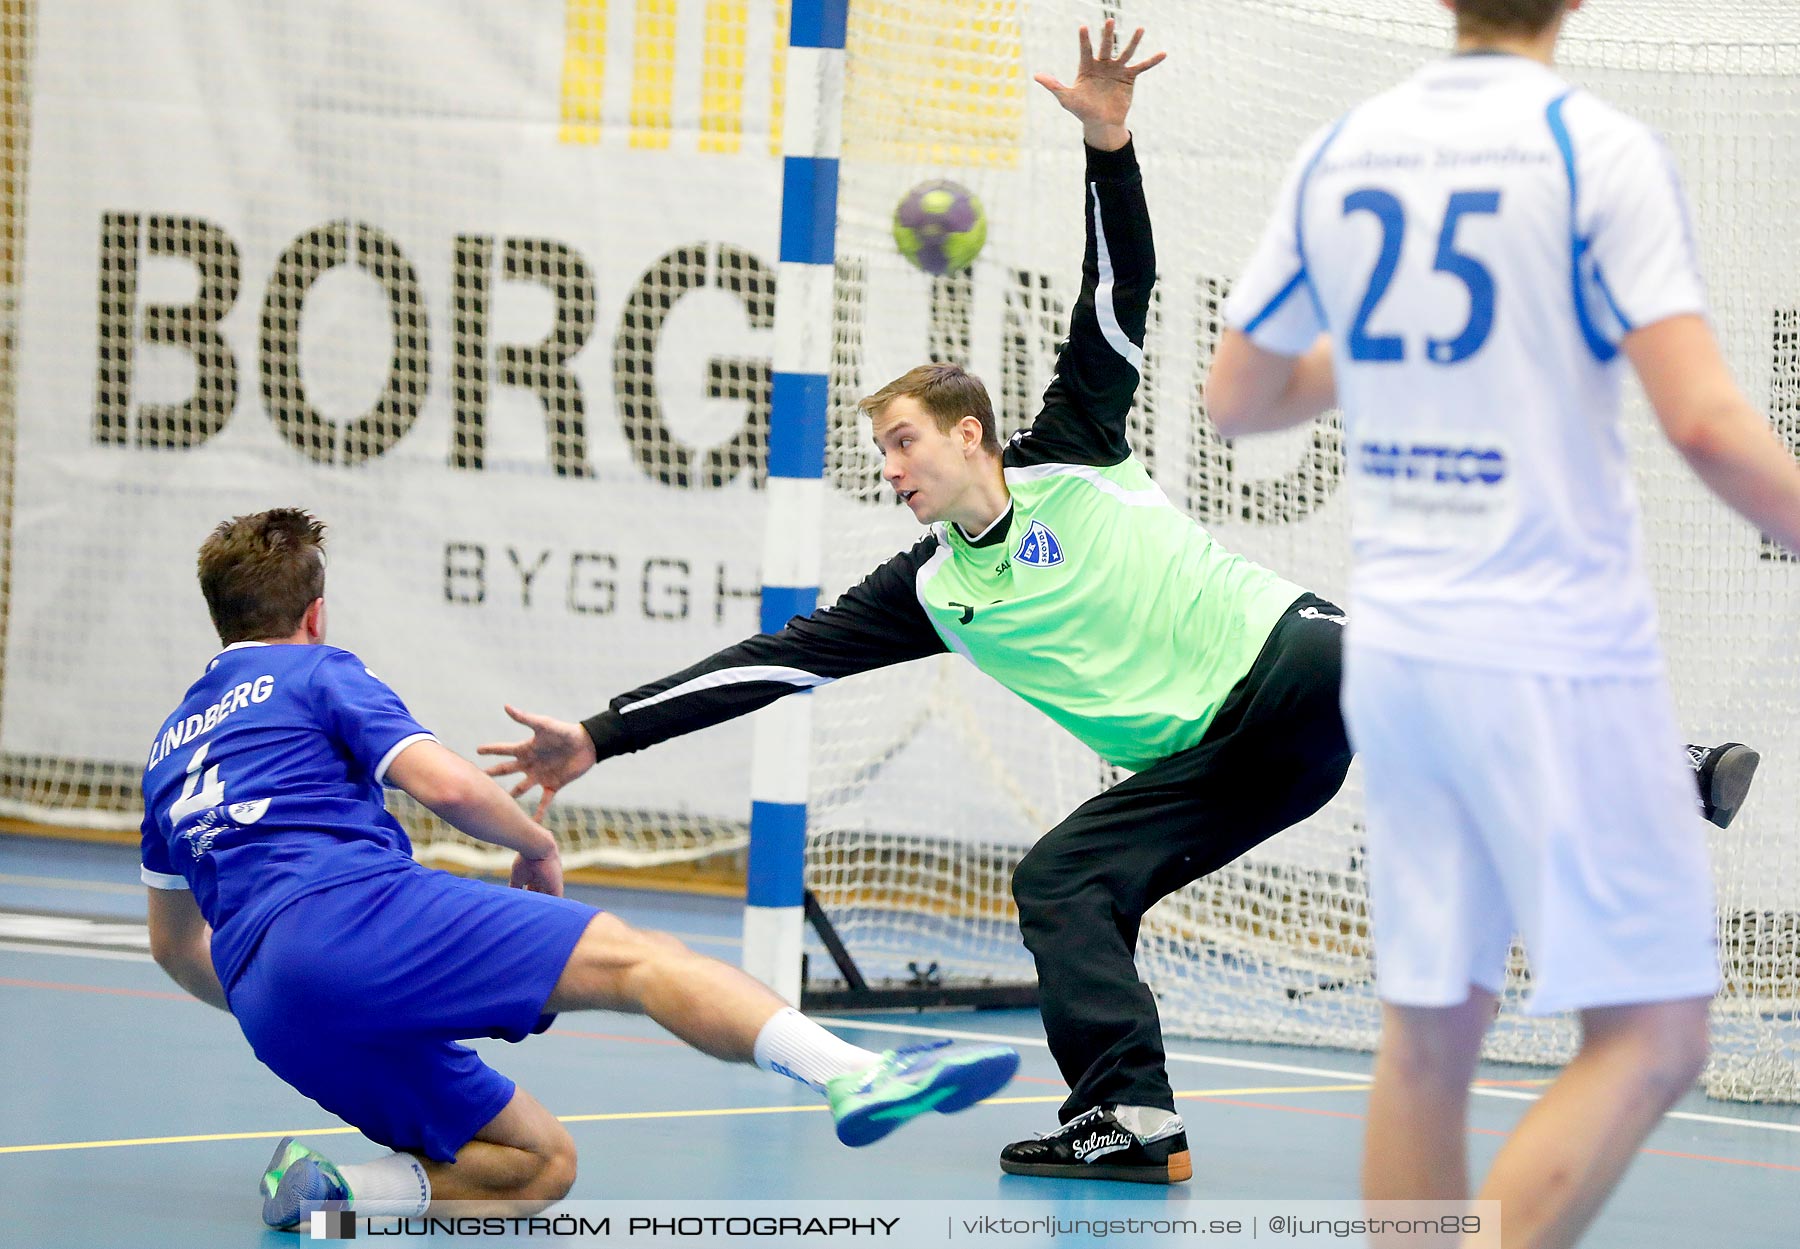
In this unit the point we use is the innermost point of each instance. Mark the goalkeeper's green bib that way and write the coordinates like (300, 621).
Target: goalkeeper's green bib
(1106, 608)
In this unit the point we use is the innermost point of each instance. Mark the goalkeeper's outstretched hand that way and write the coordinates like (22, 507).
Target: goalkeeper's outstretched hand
(556, 753)
(1101, 94)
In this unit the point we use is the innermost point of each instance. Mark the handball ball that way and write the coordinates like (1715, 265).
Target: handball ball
(940, 227)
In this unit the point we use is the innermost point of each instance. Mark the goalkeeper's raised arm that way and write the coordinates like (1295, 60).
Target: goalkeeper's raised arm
(1083, 417)
(942, 456)
(1101, 94)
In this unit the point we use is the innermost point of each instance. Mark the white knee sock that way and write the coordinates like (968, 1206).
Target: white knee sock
(392, 1186)
(794, 1046)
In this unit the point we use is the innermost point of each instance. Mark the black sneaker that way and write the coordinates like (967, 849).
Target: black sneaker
(1723, 774)
(1094, 1145)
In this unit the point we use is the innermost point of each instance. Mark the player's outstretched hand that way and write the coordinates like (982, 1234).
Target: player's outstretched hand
(539, 875)
(556, 753)
(1101, 94)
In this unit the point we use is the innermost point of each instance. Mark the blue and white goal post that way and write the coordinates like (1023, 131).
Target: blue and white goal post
(780, 767)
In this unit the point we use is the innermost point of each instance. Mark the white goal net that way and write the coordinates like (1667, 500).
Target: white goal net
(930, 784)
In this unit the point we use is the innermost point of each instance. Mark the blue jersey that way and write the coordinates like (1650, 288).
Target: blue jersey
(265, 785)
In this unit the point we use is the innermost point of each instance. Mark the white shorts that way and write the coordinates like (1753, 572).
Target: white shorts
(1560, 808)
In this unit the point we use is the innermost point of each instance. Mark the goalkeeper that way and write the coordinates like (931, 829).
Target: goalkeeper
(1058, 567)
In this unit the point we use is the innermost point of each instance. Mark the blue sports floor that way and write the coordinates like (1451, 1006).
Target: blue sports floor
(133, 1115)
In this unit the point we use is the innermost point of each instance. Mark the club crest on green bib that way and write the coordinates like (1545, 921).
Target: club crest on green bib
(1039, 547)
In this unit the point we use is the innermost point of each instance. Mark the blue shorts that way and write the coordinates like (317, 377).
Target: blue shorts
(358, 995)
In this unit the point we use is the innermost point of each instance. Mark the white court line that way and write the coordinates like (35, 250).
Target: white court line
(66, 882)
(76, 951)
(1246, 1064)
(1240, 1064)
(95, 886)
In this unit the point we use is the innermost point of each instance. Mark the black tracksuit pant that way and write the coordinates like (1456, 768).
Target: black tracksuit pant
(1275, 753)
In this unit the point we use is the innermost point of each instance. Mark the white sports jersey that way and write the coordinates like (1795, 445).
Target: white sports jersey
(1477, 241)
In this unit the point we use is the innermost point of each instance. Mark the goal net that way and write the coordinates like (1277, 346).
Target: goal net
(931, 781)
(491, 289)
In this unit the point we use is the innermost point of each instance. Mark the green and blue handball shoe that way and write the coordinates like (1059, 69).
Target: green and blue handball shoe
(296, 1178)
(908, 1082)
(867, 1105)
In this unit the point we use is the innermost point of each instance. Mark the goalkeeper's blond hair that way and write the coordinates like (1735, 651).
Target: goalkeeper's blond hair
(948, 392)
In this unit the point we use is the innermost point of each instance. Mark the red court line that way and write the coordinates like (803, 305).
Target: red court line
(568, 1032)
(651, 1040)
(1292, 1110)
(1736, 1162)
(94, 988)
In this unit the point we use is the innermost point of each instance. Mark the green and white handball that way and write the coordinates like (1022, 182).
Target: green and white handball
(940, 227)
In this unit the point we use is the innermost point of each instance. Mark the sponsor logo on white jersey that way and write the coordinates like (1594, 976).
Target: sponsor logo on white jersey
(1416, 461)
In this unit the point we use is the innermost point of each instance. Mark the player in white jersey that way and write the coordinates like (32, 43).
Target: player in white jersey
(1482, 247)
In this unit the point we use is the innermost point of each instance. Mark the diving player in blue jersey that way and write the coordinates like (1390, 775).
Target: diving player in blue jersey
(282, 891)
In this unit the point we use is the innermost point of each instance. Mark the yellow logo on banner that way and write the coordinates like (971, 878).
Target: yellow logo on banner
(935, 82)
(655, 27)
(929, 81)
